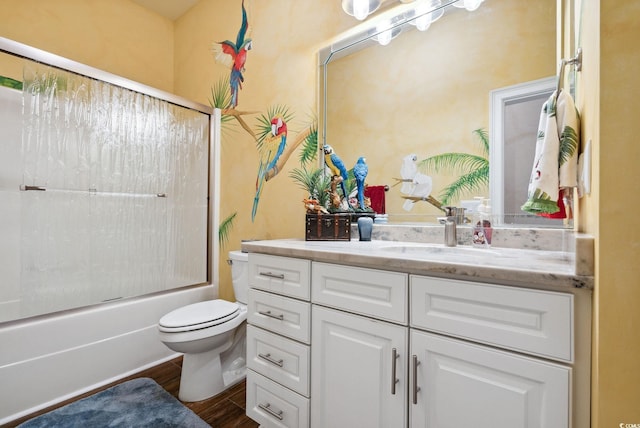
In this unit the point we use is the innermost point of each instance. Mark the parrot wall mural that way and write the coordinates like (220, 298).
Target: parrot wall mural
(235, 55)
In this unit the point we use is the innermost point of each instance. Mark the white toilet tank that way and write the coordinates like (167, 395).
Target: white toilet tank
(239, 262)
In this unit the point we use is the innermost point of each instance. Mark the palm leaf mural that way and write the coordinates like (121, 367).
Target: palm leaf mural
(10, 83)
(224, 230)
(310, 145)
(473, 169)
(221, 97)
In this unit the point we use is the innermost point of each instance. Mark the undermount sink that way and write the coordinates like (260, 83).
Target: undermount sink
(431, 250)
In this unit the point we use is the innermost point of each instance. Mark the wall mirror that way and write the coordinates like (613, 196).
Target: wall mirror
(427, 92)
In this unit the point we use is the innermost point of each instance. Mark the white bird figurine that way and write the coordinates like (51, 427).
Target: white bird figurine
(408, 170)
(422, 187)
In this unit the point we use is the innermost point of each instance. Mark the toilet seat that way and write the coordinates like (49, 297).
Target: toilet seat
(199, 316)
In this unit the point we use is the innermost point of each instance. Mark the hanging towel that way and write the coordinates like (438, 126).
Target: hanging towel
(377, 196)
(555, 163)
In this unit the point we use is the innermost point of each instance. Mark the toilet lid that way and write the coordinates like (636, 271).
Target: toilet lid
(199, 315)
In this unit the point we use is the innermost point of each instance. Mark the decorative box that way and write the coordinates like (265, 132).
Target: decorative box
(328, 227)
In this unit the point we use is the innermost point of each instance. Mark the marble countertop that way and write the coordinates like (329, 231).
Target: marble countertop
(513, 266)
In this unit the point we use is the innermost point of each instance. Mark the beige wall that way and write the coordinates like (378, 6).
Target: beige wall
(117, 36)
(120, 37)
(609, 36)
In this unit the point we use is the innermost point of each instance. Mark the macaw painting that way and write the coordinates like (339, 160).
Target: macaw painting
(235, 55)
(272, 132)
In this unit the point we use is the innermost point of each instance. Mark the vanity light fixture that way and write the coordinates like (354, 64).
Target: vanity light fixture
(386, 31)
(360, 9)
(470, 5)
(425, 14)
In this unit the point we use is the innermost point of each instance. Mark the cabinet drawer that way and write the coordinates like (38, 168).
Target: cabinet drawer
(532, 321)
(282, 275)
(280, 359)
(371, 292)
(282, 315)
(272, 405)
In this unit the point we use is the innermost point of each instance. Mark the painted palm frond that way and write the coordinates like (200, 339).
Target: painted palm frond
(568, 144)
(10, 83)
(310, 145)
(473, 169)
(467, 183)
(221, 97)
(224, 230)
(483, 136)
(452, 162)
(264, 121)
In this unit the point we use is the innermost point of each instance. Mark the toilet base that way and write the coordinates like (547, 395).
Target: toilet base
(201, 376)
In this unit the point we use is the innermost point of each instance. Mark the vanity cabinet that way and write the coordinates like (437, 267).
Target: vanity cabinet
(472, 382)
(376, 348)
(359, 363)
(454, 383)
(278, 341)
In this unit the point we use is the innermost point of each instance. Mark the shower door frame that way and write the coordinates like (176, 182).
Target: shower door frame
(213, 209)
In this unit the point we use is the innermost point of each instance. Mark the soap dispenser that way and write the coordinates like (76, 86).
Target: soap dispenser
(482, 230)
(450, 233)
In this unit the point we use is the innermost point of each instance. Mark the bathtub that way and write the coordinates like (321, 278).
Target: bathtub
(48, 359)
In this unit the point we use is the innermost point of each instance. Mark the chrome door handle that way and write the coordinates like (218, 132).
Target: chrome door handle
(267, 357)
(275, 414)
(270, 315)
(416, 388)
(272, 275)
(394, 366)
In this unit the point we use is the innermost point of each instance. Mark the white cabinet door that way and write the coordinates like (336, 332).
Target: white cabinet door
(352, 367)
(458, 384)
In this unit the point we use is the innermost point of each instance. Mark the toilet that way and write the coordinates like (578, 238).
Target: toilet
(212, 337)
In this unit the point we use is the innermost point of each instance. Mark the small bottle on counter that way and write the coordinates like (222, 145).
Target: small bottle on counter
(482, 230)
(450, 233)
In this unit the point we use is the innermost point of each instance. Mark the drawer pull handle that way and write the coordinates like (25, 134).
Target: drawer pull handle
(267, 357)
(267, 408)
(416, 388)
(394, 366)
(270, 315)
(272, 275)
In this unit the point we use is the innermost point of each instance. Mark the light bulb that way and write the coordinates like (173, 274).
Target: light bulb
(385, 33)
(360, 9)
(472, 5)
(423, 22)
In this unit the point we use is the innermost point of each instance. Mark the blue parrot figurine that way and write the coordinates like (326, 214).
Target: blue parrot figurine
(360, 171)
(335, 164)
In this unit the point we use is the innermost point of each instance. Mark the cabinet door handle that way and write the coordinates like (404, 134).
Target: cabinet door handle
(267, 357)
(272, 275)
(270, 315)
(394, 366)
(275, 414)
(416, 388)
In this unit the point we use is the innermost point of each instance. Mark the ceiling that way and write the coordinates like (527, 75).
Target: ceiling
(172, 9)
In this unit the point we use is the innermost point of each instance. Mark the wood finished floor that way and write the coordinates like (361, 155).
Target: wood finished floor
(225, 410)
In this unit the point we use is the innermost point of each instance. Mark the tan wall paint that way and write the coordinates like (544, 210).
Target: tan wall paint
(280, 70)
(114, 35)
(117, 36)
(610, 36)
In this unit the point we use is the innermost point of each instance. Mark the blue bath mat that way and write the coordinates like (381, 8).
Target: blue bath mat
(136, 403)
